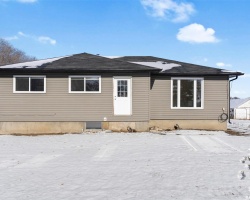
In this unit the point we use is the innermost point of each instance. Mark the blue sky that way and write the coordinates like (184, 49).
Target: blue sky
(214, 33)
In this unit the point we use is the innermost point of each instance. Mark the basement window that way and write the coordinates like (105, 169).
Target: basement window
(94, 125)
(84, 84)
(29, 84)
(187, 93)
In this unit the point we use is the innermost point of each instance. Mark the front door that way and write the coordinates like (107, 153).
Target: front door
(122, 96)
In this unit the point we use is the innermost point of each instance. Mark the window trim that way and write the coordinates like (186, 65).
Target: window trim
(29, 76)
(85, 76)
(195, 92)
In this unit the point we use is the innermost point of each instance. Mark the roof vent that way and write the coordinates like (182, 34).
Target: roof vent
(164, 62)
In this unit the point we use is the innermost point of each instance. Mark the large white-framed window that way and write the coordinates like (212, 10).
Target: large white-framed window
(84, 84)
(187, 93)
(29, 84)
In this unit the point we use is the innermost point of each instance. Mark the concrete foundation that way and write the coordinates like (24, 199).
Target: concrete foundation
(190, 124)
(78, 127)
(41, 127)
(166, 124)
(123, 126)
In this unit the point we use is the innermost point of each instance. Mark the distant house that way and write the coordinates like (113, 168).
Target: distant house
(72, 93)
(240, 108)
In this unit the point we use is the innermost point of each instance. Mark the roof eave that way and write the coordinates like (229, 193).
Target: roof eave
(75, 70)
(201, 74)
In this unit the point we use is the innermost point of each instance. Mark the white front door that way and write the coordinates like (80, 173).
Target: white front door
(122, 96)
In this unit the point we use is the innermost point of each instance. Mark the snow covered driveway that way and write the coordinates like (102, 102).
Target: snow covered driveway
(184, 165)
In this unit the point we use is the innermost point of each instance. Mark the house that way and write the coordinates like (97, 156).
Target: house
(69, 94)
(240, 108)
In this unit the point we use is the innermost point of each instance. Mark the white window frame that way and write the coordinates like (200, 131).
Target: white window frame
(179, 92)
(85, 76)
(29, 76)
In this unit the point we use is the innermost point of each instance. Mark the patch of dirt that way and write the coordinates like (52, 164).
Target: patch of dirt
(236, 133)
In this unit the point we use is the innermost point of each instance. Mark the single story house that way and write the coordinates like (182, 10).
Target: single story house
(240, 108)
(69, 94)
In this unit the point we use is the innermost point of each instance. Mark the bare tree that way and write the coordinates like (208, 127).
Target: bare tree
(11, 55)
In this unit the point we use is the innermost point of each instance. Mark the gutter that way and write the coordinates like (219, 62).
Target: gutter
(229, 91)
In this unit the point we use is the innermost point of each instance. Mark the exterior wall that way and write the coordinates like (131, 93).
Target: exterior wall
(58, 111)
(57, 104)
(215, 99)
(242, 113)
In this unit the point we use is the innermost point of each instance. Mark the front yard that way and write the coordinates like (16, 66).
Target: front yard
(194, 165)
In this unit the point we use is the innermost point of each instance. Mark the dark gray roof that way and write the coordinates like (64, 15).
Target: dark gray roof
(182, 69)
(79, 62)
(88, 62)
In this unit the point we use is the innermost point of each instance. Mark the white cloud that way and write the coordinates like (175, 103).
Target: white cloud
(222, 64)
(168, 9)
(45, 40)
(196, 33)
(41, 39)
(22, 34)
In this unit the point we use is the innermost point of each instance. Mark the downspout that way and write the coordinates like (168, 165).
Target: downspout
(229, 92)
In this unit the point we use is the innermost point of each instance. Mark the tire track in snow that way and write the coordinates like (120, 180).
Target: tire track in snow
(104, 153)
(212, 145)
(184, 138)
(37, 161)
(224, 143)
(8, 163)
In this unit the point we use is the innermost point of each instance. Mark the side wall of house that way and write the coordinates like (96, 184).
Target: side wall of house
(215, 100)
(58, 105)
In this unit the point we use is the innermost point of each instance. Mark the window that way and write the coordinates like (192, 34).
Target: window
(84, 84)
(122, 86)
(29, 84)
(187, 93)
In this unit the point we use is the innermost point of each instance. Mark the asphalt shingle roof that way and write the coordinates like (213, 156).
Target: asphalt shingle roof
(90, 62)
(182, 69)
(82, 62)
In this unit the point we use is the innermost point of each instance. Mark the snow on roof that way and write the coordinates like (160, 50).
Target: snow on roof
(229, 71)
(235, 103)
(112, 57)
(32, 64)
(159, 64)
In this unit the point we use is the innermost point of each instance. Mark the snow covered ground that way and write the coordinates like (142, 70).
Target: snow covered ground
(241, 126)
(183, 165)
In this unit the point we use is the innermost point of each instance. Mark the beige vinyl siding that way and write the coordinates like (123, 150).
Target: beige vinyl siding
(215, 98)
(57, 104)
